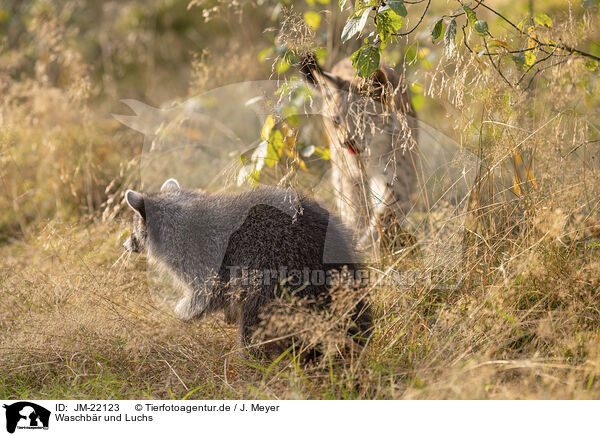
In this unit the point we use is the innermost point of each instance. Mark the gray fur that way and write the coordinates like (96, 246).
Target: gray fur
(201, 239)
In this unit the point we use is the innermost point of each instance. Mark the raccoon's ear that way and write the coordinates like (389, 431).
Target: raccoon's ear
(170, 185)
(135, 200)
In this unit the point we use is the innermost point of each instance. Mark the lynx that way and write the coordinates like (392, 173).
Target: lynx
(371, 128)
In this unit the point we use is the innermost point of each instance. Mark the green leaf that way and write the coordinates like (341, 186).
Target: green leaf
(4, 15)
(321, 54)
(320, 152)
(274, 148)
(323, 153)
(355, 25)
(437, 30)
(470, 14)
(418, 101)
(395, 20)
(450, 36)
(529, 58)
(342, 4)
(416, 88)
(291, 115)
(481, 27)
(543, 20)
(248, 174)
(262, 56)
(365, 60)
(350, 29)
(267, 127)
(461, 8)
(266, 153)
(398, 7)
(286, 59)
(282, 66)
(388, 24)
(591, 65)
(312, 19)
(410, 54)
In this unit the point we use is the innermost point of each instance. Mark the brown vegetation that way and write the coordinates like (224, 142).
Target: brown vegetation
(518, 318)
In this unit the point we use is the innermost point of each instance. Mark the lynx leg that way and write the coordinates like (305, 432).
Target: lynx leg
(349, 183)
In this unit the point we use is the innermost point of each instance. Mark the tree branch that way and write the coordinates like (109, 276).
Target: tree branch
(543, 44)
(494, 64)
(420, 20)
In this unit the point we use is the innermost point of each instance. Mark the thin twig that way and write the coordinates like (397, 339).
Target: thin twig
(538, 61)
(419, 22)
(494, 64)
(564, 47)
(539, 70)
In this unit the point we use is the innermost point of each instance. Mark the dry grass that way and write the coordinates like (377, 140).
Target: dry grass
(519, 317)
(73, 327)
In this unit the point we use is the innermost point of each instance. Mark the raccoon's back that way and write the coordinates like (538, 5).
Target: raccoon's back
(301, 235)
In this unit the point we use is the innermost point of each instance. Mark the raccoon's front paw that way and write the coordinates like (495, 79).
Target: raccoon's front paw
(183, 310)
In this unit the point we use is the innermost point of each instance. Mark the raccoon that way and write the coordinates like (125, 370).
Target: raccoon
(236, 253)
(371, 128)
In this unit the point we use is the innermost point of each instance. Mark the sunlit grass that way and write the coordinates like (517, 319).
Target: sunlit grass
(519, 317)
